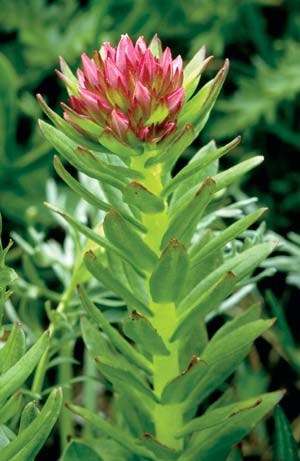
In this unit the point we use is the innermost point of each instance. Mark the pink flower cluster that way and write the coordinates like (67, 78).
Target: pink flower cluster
(129, 91)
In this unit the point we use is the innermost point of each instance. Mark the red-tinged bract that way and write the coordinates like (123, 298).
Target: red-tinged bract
(133, 92)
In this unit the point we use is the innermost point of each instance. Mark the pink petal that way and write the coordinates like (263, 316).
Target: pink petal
(77, 105)
(94, 101)
(90, 69)
(113, 75)
(119, 123)
(166, 60)
(177, 66)
(143, 133)
(81, 77)
(141, 45)
(147, 68)
(175, 100)
(107, 51)
(142, 96)
(125, 50)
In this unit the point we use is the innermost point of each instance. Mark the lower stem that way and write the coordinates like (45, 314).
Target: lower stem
(167, 418)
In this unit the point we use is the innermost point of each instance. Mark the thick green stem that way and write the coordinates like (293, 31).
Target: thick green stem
(167, 418)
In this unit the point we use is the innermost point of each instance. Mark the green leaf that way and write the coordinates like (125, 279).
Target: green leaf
(122, 236)
(184, 223)
(30, 412)
(90, 234)
(78, 451)
(135, 194)
(229, 176)
(139, 329)
(103, 274)
(161, 452)
(168, 278)
(106, 428)
(122, 377)
(69, 150)
(218, 430)
(209, 300)
(11, 407)
(217, 362)
(226, 236)
(241, 265)
(99, 346)
(206, 155)
(13, 378)
(13, 349)
(117, 340)
(286, 448)
(29, 442)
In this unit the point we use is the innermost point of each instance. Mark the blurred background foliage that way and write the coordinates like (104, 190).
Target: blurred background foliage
(260, 100)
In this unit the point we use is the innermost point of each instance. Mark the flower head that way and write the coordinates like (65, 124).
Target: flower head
(133, 92)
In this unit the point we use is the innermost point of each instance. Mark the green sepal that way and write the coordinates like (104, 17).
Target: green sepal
(135, 194)
(94, 162)
(173, 151)
(78, 450)
(225, 236)
(71, 82)
(229, 176)
(114, 336)
(168, 278)
(218, 430)
(104, 276)
(158, 115)
(30, 412)
(124, 237)
(124, 439)
(218, 361)
(69, 150)
(11, 407)
(88, 196)
(186, 219)
(12, 379)
(285, 445)
(193, 71)
(13, 349)
(201, 160)
(138, 328)
(67, 128)
(118, 148)
(197, 109)
(29, 442)
(155, 46)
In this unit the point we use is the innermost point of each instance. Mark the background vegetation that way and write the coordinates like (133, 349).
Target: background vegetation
(260, 100)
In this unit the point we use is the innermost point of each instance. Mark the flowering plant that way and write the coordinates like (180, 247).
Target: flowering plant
(132, 112)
